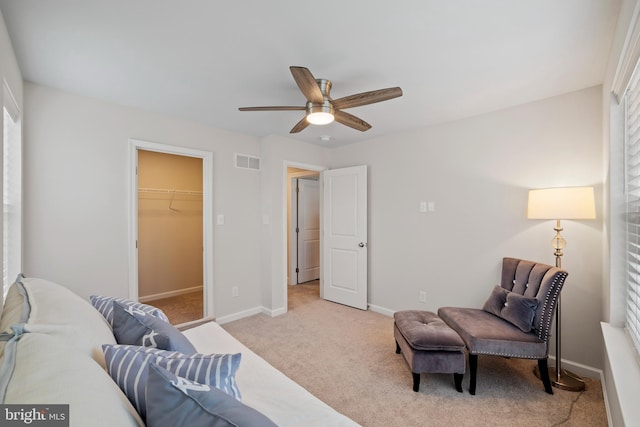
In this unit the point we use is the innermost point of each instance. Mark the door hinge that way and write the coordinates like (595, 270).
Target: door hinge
(297, 229)
(297, 270)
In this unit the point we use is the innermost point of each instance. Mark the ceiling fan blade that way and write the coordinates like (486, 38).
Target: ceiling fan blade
(307, 84)
(283, 108)
(366, 98)
(351, 121)
(301, 125)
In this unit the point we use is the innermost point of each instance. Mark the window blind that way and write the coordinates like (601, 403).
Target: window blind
(632, 189)
(12, 191)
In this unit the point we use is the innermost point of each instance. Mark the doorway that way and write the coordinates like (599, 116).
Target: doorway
(302, 240)
(304, 227)
(171, 230)
(343, 231)
(170, 234)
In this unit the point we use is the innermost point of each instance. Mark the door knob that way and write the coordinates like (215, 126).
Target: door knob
(362, 244)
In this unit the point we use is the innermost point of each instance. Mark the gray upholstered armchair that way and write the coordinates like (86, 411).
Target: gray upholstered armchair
(516, 318)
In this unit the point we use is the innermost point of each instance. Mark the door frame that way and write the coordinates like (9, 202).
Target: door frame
(207, 216)
(312, 168)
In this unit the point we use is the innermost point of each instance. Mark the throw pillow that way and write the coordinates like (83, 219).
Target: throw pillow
(105, 306)
(128, 366)
(520, 311)
(176, 401)
(512, 307)
(132, 326)
(496, 300)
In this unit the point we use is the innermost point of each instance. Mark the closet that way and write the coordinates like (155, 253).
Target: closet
(169, 226)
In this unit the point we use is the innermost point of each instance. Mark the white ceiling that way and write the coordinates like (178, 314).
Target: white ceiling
(202, 59)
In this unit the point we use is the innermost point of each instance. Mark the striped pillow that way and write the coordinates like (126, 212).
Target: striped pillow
(134, 327)
(105, 306)
(128, 365)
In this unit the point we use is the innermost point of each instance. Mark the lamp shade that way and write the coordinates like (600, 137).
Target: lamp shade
(562, 203)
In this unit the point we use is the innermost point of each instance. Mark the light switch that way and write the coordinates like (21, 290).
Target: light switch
(220, 219)
(431, 207)
(423, 207)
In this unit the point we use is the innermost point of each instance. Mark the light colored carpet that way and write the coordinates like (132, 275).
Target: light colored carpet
(346, 357)
(182, 308)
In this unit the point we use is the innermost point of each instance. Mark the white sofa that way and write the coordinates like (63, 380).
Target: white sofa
(51, 353)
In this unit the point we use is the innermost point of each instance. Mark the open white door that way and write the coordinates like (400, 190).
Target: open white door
(344, 236)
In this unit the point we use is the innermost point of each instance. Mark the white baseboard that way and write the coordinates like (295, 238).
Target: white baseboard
(381, 310)
(250, 312)
(239, 315)
(170, 294)
(578, 368)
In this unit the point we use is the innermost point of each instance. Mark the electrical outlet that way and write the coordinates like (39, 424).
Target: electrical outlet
(235, 291)
(422, 296)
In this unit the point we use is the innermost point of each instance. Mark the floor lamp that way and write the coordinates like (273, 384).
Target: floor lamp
(561, 203)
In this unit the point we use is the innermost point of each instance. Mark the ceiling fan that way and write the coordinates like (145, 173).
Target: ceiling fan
(322, 109)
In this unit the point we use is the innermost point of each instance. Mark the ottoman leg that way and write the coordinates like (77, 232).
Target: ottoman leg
(416, 381)
(457, 379)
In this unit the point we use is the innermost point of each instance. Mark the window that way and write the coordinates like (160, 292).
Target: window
(632, 191)
(12, 191)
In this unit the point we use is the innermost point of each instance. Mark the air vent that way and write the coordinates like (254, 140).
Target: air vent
(244, 161)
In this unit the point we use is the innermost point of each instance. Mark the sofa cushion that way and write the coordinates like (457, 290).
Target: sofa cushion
(512, 307)
(105, 306)
(128, 366)
(423, 330)
(40, 369)
(132, 326)
(485, 333)
(176, 401)
(60, 313)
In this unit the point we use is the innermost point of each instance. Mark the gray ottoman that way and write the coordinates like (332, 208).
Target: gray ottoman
(429, 345)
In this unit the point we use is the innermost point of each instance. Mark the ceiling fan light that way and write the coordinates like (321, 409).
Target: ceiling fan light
(320, 118)
(320, 114)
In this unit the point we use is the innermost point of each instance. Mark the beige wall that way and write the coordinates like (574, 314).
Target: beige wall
(76, 195)
(477, 172)
(169, 224)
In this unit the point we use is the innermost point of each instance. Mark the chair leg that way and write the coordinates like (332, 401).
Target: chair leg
(416, 381)
(457, 379)
(398, 351)
(473, 368)
(544, 375)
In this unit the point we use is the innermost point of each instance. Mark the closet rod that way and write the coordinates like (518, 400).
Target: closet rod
(169, 191)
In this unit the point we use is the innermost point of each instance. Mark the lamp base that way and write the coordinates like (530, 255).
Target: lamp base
(567, 380)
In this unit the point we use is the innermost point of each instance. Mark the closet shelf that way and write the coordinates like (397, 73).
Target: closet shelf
(169, 191)
(169, 194)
